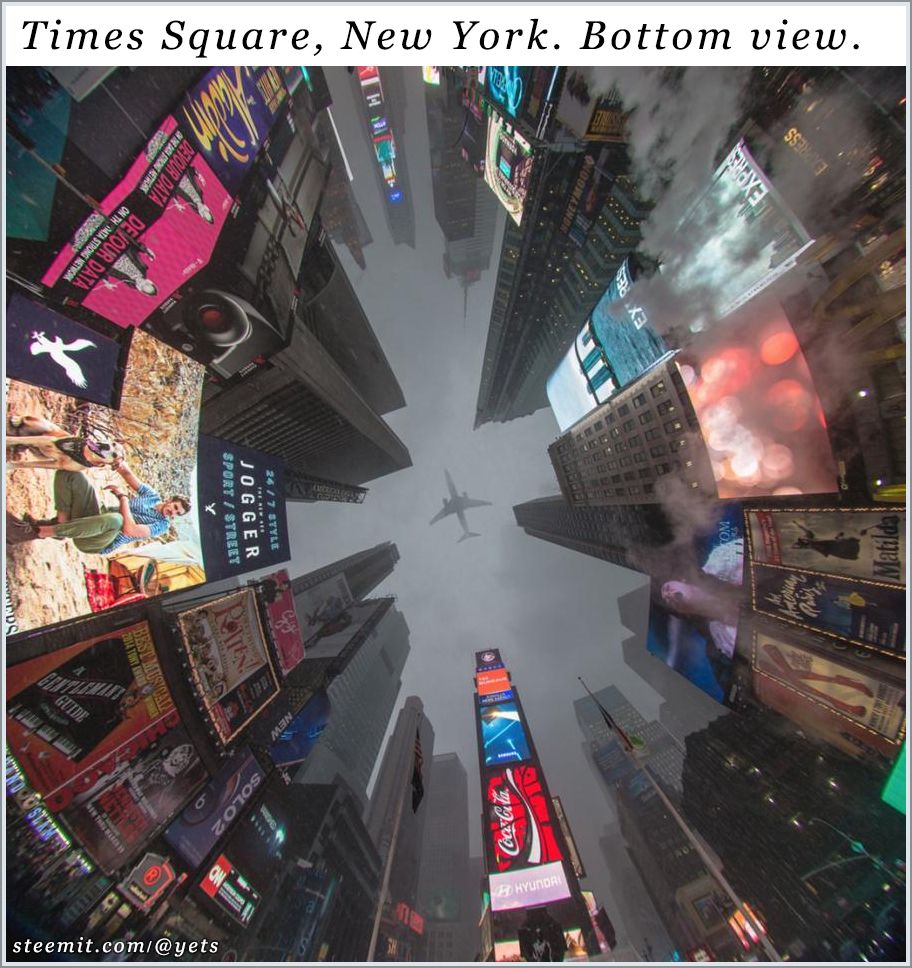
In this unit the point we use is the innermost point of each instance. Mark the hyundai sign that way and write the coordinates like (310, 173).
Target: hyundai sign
(514, 890)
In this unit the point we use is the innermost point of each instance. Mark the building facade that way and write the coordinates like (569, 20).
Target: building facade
(363, 571)
(630, 449)
(447, 896)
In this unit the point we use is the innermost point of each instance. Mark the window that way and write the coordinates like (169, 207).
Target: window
(645, 473)
(649, 488)
(626, 461)
(598, 425)
(588, 431)
(633, 490)
(603, 439)
(620, 447)
(657, 450)
(639, 458)
(616, 479)
(666, 406)
(677, 445)
(672, 426)
(610, 418)
(629, 476)
(647, 417)
(663, 468)
(616, 432)
(629, 425)
(658, 388)
(612, 465)
(623, 410)
(652, 434)
(634, 441)
(639, 400)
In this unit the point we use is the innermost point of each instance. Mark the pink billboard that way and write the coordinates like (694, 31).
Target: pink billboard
(283, 620)
(151, 234)
(514, 890)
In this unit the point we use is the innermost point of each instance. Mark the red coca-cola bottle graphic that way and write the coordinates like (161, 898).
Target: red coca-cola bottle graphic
(520, 822)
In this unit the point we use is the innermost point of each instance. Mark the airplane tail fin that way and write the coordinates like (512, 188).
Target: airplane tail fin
(469, 534)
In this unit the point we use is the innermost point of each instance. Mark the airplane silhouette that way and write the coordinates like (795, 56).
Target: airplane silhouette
(457, 504)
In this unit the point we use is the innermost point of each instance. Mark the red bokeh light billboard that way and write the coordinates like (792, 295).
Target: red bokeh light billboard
(758, 411)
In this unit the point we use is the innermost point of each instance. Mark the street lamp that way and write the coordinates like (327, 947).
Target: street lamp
(858, 849)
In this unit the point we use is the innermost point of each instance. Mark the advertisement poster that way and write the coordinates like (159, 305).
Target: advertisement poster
(867, 544)
(282, 618)
(872, 616)
(148, 881)
(118, 816)
(302, 733)
(849, 690)
(757, 407)
(741, 236)
(489, 659)
(495, 680)
(531, 887)
(231, 891)
(322, 603)
(242, 508)
(154, 231)
(335, 633)
(211, 814)
(261, 841)
(508, 165)
(71, 462)
(228, 115)
(73, 715)
(695, 605)
(520, 825)
(48, 350)
(229, 662)
(503, 737)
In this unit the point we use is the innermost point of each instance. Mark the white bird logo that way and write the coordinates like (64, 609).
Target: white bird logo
(58, 352)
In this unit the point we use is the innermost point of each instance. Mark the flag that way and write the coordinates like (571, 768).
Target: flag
(417, 782)
(631, 743)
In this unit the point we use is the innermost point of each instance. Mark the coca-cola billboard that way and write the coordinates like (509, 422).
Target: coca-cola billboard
(520, 826)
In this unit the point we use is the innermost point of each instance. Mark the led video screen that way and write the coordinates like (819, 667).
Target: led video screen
(86, 462)
(757, 408)
(503, 736)
(508, 165)
(694, 607)
(520, 827)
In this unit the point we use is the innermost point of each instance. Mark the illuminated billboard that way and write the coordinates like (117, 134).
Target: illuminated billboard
(321, 604)
(228, 114)
(507, 88)
(496, 680)
(88, 462)
(48, 350)
(503, 737)
(741, 236)
(859, 613)
(852, 542)
(212, 813)
(757, 407)
(156, 229)
(531, 887)
(894, 792)
(335, 633)
(117, 817)
(73, 713)
(615, 346)
(520, 827)
(488, 659)
(840, 699)
(431, 75)
(300, 736)
(229, 663)
(242, 496)
(694, 606)
(275, 591)
(508, 165)
(230, 891)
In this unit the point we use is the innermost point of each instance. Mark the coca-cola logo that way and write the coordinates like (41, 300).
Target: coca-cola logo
(520, 824)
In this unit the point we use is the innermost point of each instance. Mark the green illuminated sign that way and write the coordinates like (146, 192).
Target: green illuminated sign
(894, 793)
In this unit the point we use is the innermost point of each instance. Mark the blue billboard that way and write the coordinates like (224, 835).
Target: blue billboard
(614, 347)
(503, 737)
(302, 733)
(695, 603)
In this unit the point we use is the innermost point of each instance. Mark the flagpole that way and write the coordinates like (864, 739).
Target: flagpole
(685, 828)
(388, 866)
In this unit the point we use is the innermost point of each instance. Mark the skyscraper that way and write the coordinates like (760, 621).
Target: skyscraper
(801, 832)
(380, 94)
(464, 206)
(622, 534)
(547, 282)
(363, 571)
(362, 698)
(447, 896)
(625, 450)
(390, 814)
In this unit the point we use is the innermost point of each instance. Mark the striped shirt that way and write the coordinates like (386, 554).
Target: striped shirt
(142, 507)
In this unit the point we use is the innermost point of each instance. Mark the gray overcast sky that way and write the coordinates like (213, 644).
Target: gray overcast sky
(552, 611)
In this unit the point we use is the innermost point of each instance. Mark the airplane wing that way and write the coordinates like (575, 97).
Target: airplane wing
(442, 513)
(450, 484)
(470, 502)
(462, 520)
